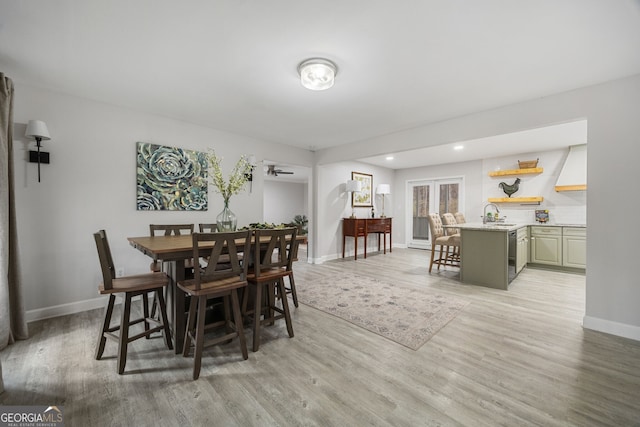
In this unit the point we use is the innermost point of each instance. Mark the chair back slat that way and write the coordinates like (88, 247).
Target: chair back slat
(208, 228)
(171, 229)
(279, 249)
(230, 244)
(106, 260)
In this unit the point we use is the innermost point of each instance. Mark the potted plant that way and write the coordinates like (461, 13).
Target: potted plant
(301, 222)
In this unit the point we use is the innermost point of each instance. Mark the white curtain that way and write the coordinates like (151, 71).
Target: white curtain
(13, 323)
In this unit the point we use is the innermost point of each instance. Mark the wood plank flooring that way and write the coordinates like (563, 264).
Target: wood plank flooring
(514, 358)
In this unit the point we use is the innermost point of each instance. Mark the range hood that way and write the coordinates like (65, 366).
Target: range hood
(573, 176)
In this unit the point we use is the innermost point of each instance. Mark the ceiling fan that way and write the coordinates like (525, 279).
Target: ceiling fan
(271, 170)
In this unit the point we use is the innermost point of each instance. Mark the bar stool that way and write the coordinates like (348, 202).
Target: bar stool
(129, 287)
(442, 242)
(216, 281)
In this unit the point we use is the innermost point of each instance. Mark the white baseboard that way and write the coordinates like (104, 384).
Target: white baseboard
(614, 328)
(64, 309)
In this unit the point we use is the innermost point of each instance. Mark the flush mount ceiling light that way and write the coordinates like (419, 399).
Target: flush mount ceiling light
(317, 73)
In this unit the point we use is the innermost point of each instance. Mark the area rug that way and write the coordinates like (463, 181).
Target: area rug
(407, 316)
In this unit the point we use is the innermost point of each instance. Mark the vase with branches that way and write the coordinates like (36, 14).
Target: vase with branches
(227, 220)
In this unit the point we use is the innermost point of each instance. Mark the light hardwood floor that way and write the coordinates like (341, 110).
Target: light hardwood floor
(514, 358)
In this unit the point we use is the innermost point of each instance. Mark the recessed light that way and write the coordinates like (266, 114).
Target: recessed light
(389, 157)
(458, 147)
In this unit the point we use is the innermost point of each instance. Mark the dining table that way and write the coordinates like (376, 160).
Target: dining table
(173, 251)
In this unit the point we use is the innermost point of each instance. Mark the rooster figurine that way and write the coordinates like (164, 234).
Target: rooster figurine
(510, 189)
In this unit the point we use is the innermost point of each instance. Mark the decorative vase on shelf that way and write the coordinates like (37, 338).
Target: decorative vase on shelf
(226, 220)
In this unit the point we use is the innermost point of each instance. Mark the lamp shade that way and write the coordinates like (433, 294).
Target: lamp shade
(317, 73)
(354, 186)
(37, 129)
(383, 189)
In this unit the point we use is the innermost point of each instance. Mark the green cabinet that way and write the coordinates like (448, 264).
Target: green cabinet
(522, 251)
(574, 247)
(546, 245)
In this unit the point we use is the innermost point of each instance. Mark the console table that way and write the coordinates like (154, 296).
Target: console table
(362, 227)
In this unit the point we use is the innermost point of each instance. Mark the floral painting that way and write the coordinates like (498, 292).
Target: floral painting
(363, 198)
(171, 178)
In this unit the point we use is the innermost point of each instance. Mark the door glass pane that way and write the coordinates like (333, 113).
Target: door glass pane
(448, 198)
(420, 212)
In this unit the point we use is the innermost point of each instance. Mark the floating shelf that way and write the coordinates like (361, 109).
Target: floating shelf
(522, 200)
(516, 172)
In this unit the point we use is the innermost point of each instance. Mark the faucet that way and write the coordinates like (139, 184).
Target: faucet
(484, 216)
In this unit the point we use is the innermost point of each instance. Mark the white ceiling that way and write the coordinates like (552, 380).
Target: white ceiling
(231, 64)
(529, 141)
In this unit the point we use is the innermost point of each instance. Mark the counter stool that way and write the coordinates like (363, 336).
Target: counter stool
(128, 287)
(216, 281)
(272, 262)
(443, 243)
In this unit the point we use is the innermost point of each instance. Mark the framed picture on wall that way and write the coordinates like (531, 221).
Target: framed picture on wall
(363, 198)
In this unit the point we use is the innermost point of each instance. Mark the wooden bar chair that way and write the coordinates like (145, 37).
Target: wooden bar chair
(440, 241)
(171, 230)
(272, 262)
(216, 281)
(128, 287)
(292, 283)
(208, 227)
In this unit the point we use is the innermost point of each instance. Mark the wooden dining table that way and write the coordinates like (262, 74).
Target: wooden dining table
(174, 251)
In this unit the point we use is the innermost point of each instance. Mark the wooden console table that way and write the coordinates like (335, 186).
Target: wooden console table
(362, 227)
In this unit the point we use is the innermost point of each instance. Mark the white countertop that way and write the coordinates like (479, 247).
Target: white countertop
(506, 226)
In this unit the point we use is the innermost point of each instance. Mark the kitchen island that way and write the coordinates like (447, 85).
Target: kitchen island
(492, 254)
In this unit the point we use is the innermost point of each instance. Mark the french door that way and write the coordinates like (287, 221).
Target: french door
(425, 197)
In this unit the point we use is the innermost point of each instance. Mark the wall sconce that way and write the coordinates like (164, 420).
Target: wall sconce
(37, 129)
(383, 189)
(251, 159)
(353, 186)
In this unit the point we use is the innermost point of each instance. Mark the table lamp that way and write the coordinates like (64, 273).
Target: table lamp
(353, 186)
(383, 189)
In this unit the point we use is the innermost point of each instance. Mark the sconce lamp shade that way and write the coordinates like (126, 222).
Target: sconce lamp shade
(383, 189)
(252, 160)
(353, 186)
(37, 129)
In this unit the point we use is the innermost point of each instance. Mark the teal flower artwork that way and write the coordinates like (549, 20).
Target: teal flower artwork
(170, 178)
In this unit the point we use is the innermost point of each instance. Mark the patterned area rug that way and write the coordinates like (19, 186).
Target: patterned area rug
(407, 316)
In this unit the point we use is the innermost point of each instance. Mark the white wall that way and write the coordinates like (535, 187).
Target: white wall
(284, 200)
(613, 137)
(91, 184)
(334, 204)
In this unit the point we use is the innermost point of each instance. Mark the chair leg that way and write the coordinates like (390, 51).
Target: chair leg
(124, 333)
(285, 307)
(227, 314)
(197, 356)
(145, 312)
(270, 303)
(159, 295)
(190, 333)
(237, 316)
(105, 326)
(257, 310)
(433, 253)
(294, 294)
